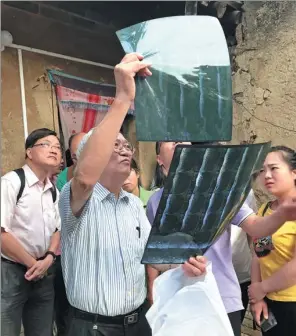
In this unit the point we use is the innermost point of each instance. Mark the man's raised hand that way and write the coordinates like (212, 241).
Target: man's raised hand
(125, 72)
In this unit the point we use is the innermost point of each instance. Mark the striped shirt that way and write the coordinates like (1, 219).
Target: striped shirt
(102, 251)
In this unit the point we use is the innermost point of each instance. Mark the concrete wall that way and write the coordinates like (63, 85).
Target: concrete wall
(264, 82)
(40, 112)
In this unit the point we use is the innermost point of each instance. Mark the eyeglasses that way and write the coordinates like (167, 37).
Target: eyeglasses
(118, 146)
(48, 145)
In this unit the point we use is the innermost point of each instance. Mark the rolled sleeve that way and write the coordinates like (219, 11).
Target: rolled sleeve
(144, 224)
(244, 212)
(8, 203)
(149, 211)
(65, 210)
(69, 222)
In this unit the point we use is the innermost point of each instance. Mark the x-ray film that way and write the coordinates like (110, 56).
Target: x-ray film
(205, 188)
(189, 95)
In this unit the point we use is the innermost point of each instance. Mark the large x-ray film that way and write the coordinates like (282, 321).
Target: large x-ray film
(205, 188)
(189, 95)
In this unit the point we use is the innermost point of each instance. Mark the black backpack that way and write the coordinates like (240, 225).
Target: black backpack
(21, 174)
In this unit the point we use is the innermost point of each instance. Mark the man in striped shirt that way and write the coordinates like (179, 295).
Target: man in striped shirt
(104, 229)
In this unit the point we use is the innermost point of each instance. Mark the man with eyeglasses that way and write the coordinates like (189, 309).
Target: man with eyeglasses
(105, 229)
(30, 236)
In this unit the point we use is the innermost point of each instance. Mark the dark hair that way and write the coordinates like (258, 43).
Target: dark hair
(37, 134)
(159, 176)
(157, 147)
(69, 161)
(134, 166)
(288, 155)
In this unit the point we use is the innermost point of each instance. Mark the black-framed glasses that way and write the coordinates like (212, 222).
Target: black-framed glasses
(48, 145)
(118, 146)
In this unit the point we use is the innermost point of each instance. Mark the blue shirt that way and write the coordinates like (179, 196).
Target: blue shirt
(102, 251)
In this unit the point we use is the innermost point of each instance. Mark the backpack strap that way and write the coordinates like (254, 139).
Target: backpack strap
(21, 174)
(265, 208)
(53, 191)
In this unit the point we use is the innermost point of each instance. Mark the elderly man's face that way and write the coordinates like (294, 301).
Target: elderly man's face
(120, 161)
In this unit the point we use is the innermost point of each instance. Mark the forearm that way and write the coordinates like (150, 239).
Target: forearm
(99, 147)
(257, 226)
(282, 279)
(255, 270)
(152, 274)
(14, 250)
(55, 242)
(164, 267)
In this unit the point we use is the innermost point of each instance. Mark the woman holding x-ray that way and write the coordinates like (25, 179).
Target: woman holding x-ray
(220, 254)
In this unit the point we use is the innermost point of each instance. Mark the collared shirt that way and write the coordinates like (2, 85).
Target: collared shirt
(62, 179)
(145, 195)
(241, 252)
(220, 254)
(34, 218)
(102, 251)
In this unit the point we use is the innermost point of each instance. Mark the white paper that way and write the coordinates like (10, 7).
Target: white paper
(188, 306)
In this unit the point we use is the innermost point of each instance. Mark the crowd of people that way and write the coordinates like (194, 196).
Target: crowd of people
(72, 241)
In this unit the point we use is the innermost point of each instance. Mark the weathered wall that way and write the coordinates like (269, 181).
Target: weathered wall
(40, 112)
(264, 86)
(264, 82)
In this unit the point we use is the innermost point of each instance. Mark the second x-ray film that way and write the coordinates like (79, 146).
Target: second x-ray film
(205, 188)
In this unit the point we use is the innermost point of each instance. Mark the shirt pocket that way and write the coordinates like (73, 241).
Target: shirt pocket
(50, 219)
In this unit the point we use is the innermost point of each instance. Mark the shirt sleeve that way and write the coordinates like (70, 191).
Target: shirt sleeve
(8, 202)
(67, 217)
(144, 224)
(61, 180)
(58, 217)
(251, 201)
(149, 211)
(244, 212)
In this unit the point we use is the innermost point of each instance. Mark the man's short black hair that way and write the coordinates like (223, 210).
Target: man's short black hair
(38, 134)
(134, 166)
(157, 147)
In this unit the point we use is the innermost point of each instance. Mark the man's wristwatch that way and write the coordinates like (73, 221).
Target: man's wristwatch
(52, 254)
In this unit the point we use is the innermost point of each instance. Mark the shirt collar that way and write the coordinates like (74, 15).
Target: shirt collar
(102, 193)
(33, 179)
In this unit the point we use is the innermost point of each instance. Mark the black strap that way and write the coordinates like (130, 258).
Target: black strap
(21, 174)
(265, 208)
(53, 191)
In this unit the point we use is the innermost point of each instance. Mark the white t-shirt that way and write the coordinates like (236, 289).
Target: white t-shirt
(241, 253)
